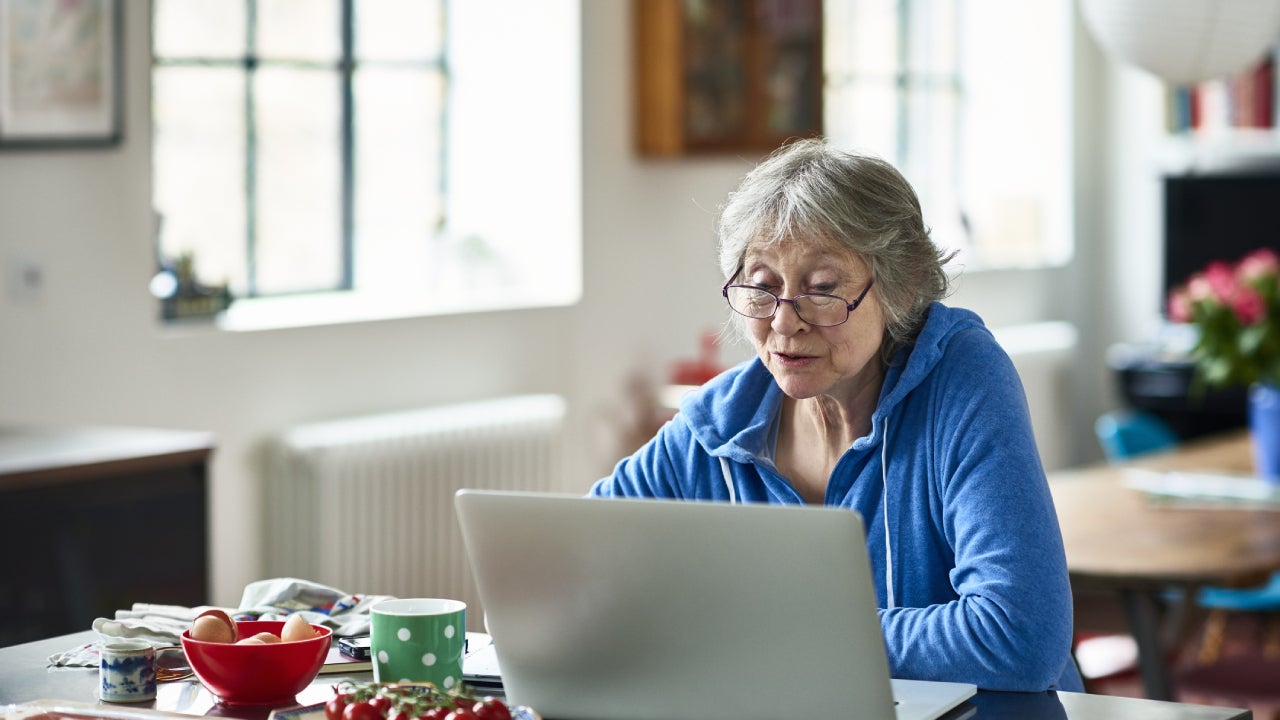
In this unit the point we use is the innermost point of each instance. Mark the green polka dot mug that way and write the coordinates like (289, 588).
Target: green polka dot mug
(418, 640)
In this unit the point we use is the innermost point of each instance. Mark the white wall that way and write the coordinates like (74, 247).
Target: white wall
(87, 349)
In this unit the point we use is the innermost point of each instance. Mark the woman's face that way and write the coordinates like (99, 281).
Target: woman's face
(808, 360)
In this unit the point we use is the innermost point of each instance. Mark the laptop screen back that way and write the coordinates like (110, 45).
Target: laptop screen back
(608, 608)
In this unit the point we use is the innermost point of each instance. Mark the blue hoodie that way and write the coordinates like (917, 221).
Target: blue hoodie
(973, 582)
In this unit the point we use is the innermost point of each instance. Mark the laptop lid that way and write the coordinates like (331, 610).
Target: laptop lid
(654, 609)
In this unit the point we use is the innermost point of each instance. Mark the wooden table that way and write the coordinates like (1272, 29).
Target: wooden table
(85, 512)
(24, 678)
(1117, 539)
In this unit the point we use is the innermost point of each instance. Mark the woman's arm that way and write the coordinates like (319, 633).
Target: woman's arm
(1011, 626)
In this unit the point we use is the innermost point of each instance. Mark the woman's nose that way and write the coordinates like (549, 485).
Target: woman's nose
(786, 320)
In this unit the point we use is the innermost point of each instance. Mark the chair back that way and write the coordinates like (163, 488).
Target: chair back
(1126, 434)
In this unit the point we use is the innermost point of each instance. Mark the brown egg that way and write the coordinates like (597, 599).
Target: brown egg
(224, 618)
(212, 629)
(262, 638)
(296, 628)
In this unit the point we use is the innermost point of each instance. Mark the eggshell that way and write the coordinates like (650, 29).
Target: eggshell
(296, 628)
(212, 629)
(221, 617)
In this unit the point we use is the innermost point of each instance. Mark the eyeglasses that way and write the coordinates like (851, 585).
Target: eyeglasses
(813, 308)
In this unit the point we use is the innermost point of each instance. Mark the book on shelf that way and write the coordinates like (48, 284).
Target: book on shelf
(1245, 100)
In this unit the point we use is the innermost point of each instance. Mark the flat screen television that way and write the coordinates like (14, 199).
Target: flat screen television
(1217, 216)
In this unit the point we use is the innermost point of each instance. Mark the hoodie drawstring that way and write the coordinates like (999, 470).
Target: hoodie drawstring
(728, 480)
(888, 549)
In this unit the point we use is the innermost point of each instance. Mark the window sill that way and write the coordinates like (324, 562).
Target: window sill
(340, 308)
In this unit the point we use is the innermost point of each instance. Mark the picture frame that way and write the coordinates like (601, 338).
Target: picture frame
(60, 73)
(725, 76)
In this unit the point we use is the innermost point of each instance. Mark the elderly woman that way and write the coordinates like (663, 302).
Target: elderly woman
(868, 393)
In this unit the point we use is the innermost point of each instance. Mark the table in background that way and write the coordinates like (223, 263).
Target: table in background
(24, 678)
(1118, 540)
(87, 514)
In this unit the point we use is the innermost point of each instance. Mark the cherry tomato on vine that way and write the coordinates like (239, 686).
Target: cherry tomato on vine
(361, 711)
(392, 701)
(333, 709)
(491, 708)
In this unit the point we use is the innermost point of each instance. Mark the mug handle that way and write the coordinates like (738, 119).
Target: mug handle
(171, 665)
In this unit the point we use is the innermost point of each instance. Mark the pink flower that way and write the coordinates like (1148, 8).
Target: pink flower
(1200, 289)
(1222, 280)
(1248, 305)
(1257, 264)
(1234, 308)
(1180, 306)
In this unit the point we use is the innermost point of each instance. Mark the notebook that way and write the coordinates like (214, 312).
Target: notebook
(614, 609)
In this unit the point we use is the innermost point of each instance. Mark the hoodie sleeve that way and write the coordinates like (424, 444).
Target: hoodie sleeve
(664, 467)
(1007, 624)
(738, 404)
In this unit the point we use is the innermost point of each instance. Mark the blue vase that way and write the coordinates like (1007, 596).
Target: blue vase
(1264, 427)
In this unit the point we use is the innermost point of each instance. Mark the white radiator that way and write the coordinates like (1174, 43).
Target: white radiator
(366, 504)
(1043, 354)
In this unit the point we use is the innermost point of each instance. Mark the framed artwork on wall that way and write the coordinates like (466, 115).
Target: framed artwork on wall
(725, 76)
(60, 73)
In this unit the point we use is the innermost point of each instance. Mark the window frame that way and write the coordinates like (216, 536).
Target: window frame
(345, 66)
(955, 188)
(537, 242)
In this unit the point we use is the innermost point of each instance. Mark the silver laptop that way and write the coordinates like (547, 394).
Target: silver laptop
(610, 609)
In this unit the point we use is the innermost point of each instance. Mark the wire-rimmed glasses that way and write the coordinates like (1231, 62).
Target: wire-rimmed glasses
(813, 308)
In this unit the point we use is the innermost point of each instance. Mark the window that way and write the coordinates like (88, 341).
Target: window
(322, 154)
(971, 101)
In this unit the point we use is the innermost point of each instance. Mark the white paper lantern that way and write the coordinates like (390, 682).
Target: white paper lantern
(1185, 41)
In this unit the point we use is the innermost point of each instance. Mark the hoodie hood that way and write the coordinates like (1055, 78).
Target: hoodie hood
(743, 432)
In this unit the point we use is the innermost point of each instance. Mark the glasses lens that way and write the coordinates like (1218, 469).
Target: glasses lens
(752, 302)
(822, 310)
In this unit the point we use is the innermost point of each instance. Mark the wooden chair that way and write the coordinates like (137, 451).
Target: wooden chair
(1257, 607)
(1127, 434)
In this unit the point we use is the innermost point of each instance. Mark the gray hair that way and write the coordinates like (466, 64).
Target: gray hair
(809, 190)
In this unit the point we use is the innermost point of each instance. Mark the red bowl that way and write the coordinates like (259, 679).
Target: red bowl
(257, 674)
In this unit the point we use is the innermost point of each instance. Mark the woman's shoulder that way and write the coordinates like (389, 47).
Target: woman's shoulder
(961, 334)
(749, 377)
(731, 408)
(952, 341)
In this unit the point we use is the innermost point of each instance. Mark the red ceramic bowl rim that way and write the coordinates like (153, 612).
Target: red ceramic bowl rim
(322, 631)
